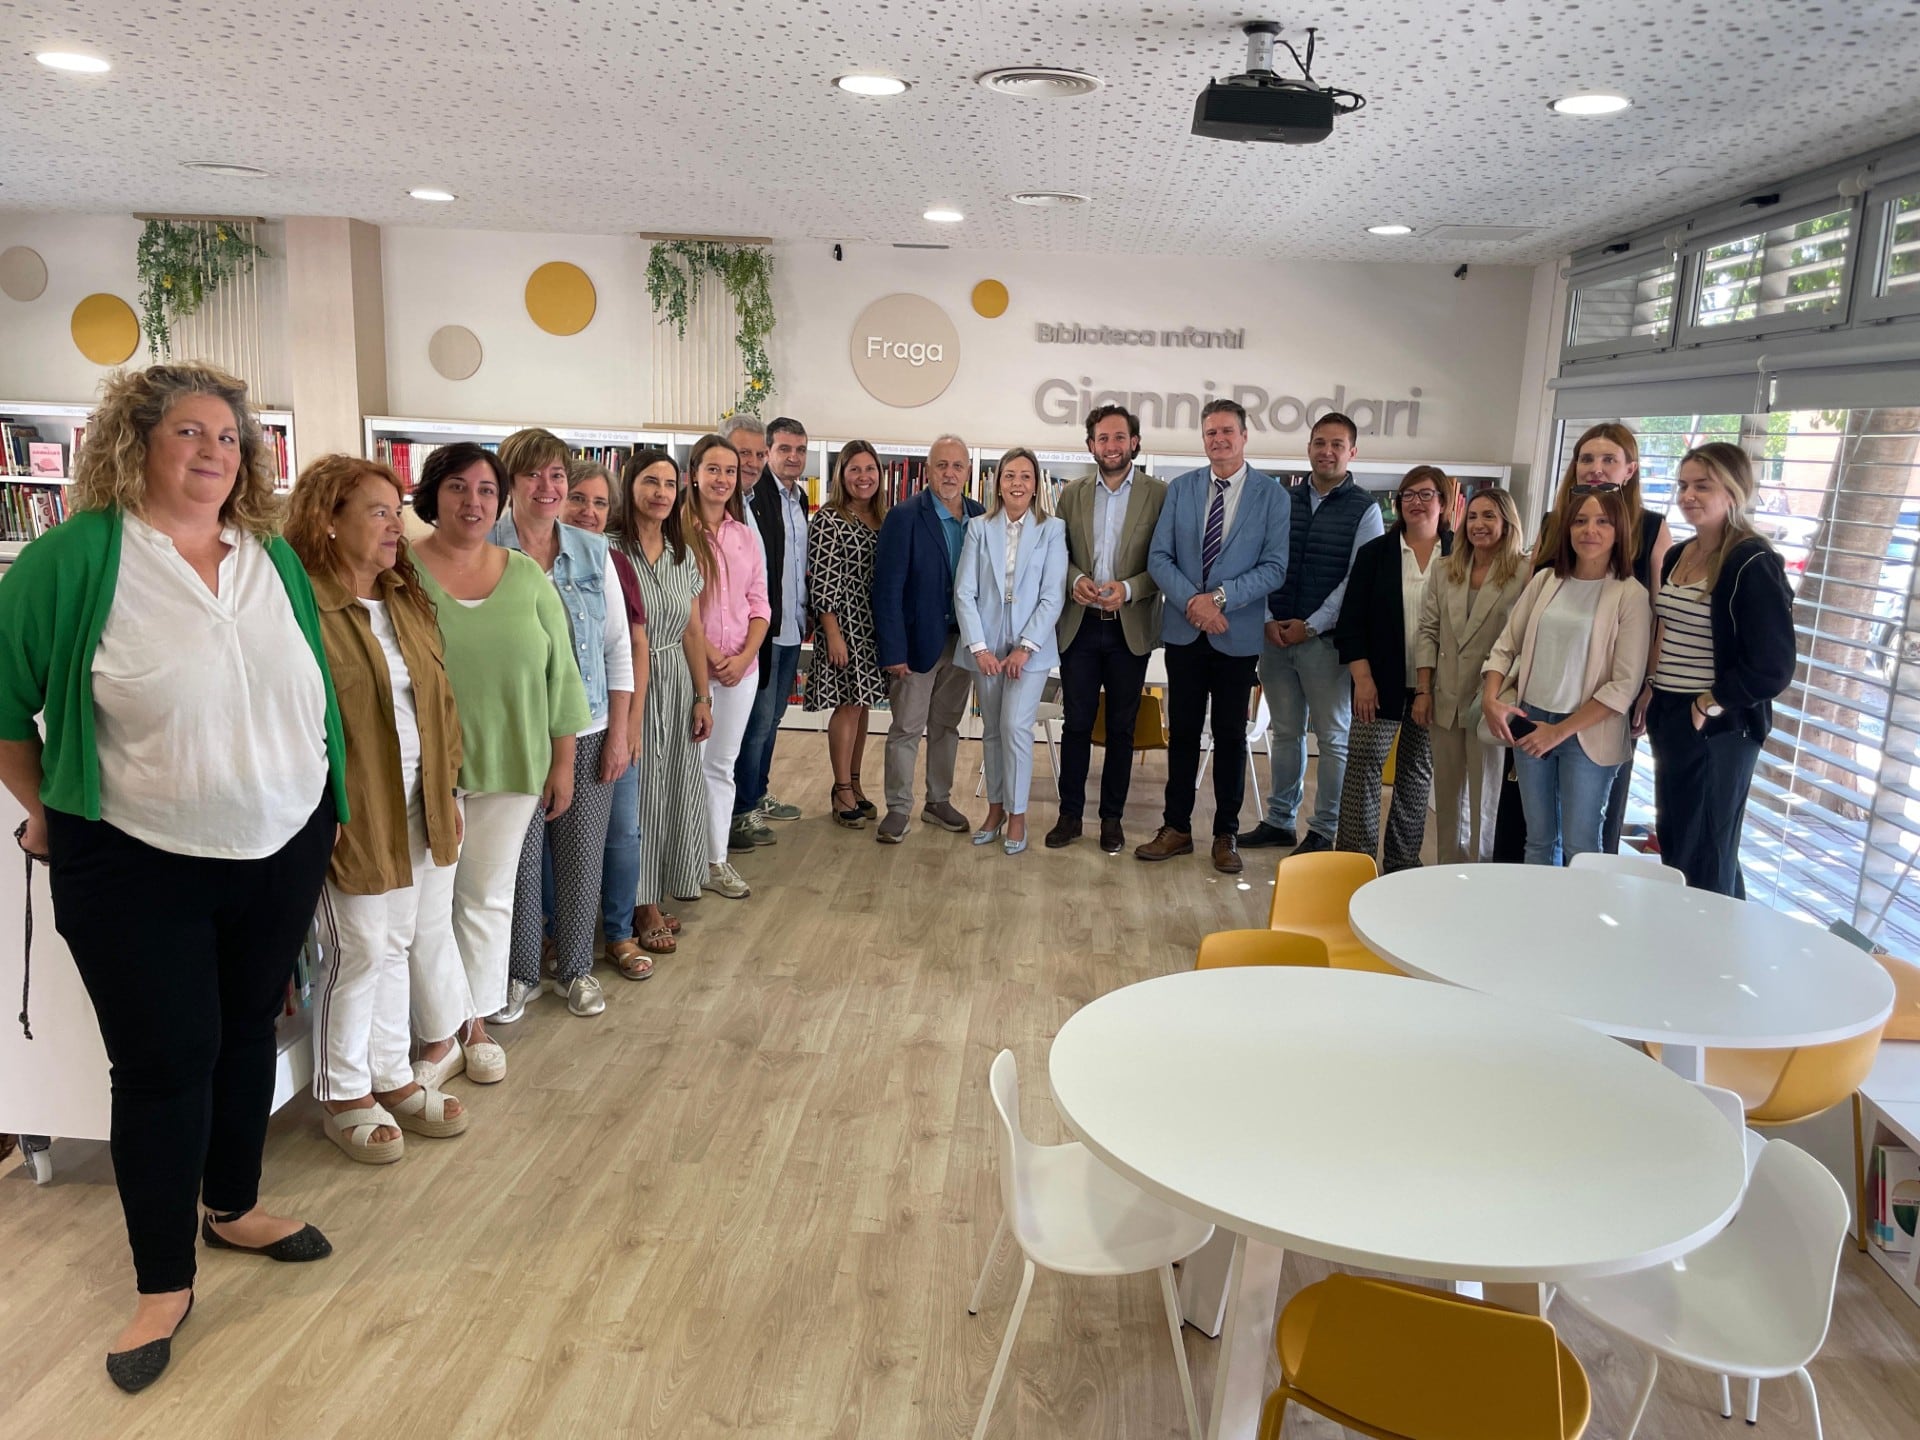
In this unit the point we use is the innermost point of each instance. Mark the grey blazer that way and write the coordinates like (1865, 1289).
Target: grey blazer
(1458, 626)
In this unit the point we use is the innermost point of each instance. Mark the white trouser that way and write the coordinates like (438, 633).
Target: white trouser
(375, 951)
(482, 912)
(732, 708)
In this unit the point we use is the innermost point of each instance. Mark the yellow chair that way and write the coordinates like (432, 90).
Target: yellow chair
(1260, 947)
(1780, 1087)
(1398, 1362)
(1310, 897)
(1392, 766)
(1149, 723)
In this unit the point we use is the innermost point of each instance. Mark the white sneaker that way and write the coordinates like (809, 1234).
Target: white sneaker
(584, 996)
(724, 880)
(516, 1006)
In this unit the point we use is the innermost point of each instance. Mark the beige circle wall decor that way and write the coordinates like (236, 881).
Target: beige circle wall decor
(560, 298)
(905, 351)
(23, 274)
(990, 299)
(454, 352)
(105, 329)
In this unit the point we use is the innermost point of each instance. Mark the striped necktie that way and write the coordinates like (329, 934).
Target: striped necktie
(1216, 532)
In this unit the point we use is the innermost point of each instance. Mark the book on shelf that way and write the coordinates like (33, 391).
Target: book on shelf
(47, 460)
(612, 457)
(275, 440)
(16, 458)
(29, 511)
(405, 458)
(903, 479)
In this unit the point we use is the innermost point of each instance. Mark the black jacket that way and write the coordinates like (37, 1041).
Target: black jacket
(1753, 640)
(1372, 627)
(763, 504)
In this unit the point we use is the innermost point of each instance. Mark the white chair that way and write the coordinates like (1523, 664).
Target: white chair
(1753, 1301)
(1068, 1212)
(1629, 862)
(1256, 731)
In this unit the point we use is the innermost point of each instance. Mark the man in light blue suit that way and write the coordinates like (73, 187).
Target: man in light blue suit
(1219, 549)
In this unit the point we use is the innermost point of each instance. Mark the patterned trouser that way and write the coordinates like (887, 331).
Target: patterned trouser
(578, 839)
(1367, 748)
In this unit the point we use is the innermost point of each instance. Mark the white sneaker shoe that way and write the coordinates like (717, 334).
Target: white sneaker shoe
(516, 1006)
(724, 880)
(584, 996)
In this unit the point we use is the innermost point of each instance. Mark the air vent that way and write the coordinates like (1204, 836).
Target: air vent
(1039, 82)
(1048, 199)
(222, 167)
(910, 245)
(1479, 234)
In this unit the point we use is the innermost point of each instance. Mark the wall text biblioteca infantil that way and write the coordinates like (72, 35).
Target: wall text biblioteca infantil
(1060, 402)
(1187, 337)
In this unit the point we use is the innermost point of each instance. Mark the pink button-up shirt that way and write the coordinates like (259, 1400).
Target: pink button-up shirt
(739, 596)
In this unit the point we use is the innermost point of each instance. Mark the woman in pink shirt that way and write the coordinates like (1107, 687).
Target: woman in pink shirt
(734, 614)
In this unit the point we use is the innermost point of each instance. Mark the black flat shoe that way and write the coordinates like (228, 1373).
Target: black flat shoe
(134, 1370)
(304, 1244)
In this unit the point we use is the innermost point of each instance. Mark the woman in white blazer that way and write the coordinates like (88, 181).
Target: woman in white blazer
(1007, 596)
(1561, 679)
(1461, 615)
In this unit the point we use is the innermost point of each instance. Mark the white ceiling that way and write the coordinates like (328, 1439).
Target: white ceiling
(716, 116)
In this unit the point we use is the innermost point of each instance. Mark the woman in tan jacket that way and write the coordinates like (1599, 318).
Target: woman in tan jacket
(386, 914)
(1563, 675)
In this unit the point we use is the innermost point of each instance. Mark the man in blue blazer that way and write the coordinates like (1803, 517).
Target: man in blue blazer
(1219, 549)
(915, 631)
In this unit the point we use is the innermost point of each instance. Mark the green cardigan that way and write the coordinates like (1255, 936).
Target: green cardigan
(54, 603)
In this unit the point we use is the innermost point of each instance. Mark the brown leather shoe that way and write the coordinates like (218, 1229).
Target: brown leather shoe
(1167, 842)
(1112, 838)
(1065, 831)
(1226, 855)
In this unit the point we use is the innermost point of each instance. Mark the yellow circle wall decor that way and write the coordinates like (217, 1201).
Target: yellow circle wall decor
(105, 329)
(560, 298)
(990, 299)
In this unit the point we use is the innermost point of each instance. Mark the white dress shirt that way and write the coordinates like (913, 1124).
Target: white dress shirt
(793, 568)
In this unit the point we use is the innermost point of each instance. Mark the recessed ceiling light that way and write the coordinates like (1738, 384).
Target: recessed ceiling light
(1049, 199)
(871, 84)
(1389, 229)
(78, 64)
(1594, 104)
(1039, 82)
(438, 197)
(222, 167)
(940, 215)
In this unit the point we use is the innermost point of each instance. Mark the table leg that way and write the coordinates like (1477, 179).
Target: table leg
(1203, 1283)
(1240, 1377)
(1689, 1062)
(1527, 1299)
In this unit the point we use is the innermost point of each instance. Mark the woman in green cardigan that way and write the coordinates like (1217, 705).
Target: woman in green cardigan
(186, 792)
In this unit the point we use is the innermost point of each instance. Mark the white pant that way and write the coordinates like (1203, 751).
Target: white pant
(482, 912)
(732, 708)
(375, 951)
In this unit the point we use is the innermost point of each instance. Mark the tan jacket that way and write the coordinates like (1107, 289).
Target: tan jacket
(373, 855)
(1616, 656)
(1458, 626)
(1140, 616)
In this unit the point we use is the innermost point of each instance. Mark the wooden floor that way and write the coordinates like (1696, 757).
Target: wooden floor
(749, 1199)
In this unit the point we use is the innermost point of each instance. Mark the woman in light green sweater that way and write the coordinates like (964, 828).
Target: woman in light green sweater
(521, 701)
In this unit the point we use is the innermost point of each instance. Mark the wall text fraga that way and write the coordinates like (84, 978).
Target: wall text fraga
(914, 352)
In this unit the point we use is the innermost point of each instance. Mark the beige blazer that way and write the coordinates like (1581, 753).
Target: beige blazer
(1616, 656)
(1458, 626)
(1140, 616)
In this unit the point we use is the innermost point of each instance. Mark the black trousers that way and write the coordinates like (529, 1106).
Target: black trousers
(1614, 822)
(1198, 674)
(186, 960)
(1098, 659)
(1700, 782)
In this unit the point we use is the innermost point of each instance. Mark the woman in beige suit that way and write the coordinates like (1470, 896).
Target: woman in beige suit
(1575, 647)
(1460, 618)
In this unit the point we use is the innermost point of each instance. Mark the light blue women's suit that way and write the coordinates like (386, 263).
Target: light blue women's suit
(1008, 707)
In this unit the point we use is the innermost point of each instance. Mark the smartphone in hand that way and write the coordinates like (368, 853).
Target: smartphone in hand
(1519, 726)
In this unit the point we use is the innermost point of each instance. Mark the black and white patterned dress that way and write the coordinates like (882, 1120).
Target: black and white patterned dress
(840, 555)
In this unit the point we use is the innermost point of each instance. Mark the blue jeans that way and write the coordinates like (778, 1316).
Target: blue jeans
(1304, 684)
(1564, 795)
(620, 867)
(751, 770)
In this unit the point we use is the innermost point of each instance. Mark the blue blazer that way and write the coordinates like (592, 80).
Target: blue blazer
(913, 583)
(1039, 590)
(1252, 563)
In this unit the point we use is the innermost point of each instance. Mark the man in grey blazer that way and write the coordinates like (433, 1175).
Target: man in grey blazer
(1111, 621)
(1219, 549)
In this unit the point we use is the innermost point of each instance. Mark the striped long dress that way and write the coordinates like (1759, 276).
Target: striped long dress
(673, 796)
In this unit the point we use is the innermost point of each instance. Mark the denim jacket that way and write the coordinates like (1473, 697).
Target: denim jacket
(579, 574)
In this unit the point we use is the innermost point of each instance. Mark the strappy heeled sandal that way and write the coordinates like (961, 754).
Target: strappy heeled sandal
(854, 818)
(865, 805)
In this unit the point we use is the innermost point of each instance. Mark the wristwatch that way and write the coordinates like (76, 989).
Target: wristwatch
(706, 700)
(1713, 711)
(1312, 634)
(1220, 597)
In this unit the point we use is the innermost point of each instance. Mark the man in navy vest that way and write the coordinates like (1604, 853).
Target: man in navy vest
(1300, 669)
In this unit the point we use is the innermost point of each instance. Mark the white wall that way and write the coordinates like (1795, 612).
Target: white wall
(83, 254)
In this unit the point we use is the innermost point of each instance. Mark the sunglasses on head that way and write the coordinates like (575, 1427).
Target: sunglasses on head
(1594, 489)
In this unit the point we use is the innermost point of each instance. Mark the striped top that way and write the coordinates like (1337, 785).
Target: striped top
(1685, 613)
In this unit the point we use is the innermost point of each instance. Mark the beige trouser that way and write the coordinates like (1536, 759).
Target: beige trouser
(929, 704)
(1466, 794)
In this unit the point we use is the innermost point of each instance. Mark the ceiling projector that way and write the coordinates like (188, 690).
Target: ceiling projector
(1261, 105)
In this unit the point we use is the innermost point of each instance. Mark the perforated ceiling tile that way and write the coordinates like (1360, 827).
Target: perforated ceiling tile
(719, 117)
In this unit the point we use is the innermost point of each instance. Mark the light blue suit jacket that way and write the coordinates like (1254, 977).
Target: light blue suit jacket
(1039, 590)
(1251, 564)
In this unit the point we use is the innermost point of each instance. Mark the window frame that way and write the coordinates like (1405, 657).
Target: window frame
(1693, 255)
(1871, 302)
(1625, 267)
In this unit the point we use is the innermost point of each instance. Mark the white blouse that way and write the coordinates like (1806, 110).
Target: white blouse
(406, 720)
(1413, 590)
(209, 710)
(1558, 680)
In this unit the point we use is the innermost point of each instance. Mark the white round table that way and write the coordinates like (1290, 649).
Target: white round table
(1631, 957)
(1368, 1120)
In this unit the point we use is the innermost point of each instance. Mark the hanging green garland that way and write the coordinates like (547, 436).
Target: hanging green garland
(675, 271)
(181, 262)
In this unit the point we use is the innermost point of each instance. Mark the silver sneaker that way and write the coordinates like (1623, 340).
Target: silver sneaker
(724, 880)
(516, 1006)
(584, 995)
